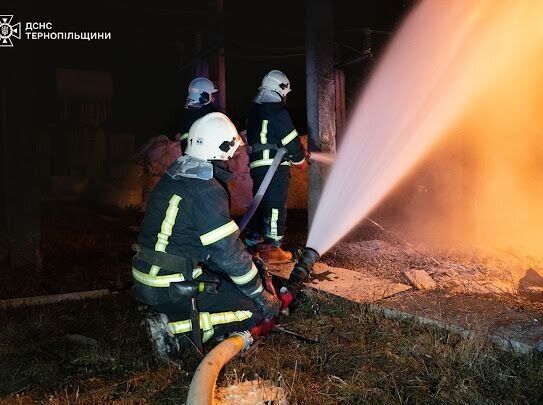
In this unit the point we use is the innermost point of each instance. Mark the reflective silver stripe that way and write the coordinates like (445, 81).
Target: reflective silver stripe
(299, 163)
(258, 290)
(289, 137)
(184, 136)
(219, 233)
(166, 229)
(265, 154)
(264, 132)
(162, 281)
(244, 279)
(273, 222)
(265, 162)
(197, 272)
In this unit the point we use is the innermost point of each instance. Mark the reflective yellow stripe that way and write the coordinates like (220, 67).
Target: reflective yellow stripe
(240, 280)
(289, 137)
(156, 281)
(166, 229)
(181, 326)
(184, 136)
(266, 154)
(205, 321)
(208, 320)
(219, 233)
(274, 237)
(162, 281)
(273, 222)
(273, 225)
(265, 162)
(264, 132)
(207, 335)
(221, 318)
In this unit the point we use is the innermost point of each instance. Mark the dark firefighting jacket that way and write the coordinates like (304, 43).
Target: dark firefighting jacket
(270, 127)
(188, 216)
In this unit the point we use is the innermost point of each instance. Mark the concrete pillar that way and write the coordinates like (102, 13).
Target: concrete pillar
(216, 35)
(320, 85)
(200, 66)
(20, 156)
(341, 112)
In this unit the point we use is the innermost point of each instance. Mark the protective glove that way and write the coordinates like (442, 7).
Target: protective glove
(268, 304)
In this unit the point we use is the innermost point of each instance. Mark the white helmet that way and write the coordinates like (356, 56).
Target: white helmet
(213, 137)
(276, 81)
(199, 93)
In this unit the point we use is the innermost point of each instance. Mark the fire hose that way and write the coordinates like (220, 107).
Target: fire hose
(202, 386)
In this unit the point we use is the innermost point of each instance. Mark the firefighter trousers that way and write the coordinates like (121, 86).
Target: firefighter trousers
(270, 218)
(228, 310)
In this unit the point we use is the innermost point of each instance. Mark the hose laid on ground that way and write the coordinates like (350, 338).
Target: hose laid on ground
(202, 386)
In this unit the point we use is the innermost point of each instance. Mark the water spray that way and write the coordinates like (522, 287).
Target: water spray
(443, 58)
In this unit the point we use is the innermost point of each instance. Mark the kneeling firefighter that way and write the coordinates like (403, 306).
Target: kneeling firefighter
(191, 267)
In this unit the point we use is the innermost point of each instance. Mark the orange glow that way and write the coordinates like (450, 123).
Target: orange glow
(468, 73)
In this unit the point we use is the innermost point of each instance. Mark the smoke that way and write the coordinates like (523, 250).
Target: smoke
(466, 74)
(483, 184)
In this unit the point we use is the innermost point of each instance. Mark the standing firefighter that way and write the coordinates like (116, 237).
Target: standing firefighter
(200, 101)
(191, 267)
(269, 127)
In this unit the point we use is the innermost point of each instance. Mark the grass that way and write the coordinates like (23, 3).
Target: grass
(39, 362)
(361, 358)
(365, 358)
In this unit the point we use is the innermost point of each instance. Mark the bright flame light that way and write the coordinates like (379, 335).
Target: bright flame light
(444, 56)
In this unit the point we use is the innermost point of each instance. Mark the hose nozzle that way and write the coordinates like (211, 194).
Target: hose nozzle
(302, 269)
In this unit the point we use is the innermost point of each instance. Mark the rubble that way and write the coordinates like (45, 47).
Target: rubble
(420, 279)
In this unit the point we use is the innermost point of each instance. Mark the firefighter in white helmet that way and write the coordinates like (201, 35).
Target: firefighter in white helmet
(200, 101)
(270, 127)
(188, 240)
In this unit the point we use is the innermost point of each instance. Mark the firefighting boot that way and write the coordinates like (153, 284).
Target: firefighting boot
(164, 342)
(272, 254)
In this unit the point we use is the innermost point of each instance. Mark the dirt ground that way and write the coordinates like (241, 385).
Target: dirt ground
(520, 321)
(491, 291)
(83, 248)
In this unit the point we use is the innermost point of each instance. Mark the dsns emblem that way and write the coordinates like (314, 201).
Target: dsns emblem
(7, 30)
